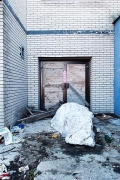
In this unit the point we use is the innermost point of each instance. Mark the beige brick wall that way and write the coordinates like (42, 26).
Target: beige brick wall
(99, 47)
(15, 68)
(89, 18)
(19, 8)
(1, 67)
(75, 14)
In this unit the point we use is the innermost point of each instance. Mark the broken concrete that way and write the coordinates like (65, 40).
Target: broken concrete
(74, 122)
(51, 158)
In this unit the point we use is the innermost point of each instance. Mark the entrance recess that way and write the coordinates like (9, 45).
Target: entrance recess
(76, 78)
(59, 77)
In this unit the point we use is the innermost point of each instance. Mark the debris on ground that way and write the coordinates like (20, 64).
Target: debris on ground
(4, 174)
(32, 115)
(103, 117)
(54, 136)
(29, 111)
(108, 137)
(5, 132)
(38, 116)
(10, 135)
(18, 128)
(74, 122)
(24, 168)
(50, 158)
(1, 139)
(2, 152)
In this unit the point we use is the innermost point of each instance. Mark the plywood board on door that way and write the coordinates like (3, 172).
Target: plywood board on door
(52, 80)
(76, 77)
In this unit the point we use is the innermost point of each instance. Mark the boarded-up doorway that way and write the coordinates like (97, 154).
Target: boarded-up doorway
(76, 78)
(57, 75)
(51, 78)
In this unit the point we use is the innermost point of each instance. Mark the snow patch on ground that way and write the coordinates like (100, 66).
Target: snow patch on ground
(74, 122)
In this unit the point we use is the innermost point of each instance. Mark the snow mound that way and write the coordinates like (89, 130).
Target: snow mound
(74, 122)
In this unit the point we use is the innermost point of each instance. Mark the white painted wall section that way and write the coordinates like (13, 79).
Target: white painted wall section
(15, 68)
(1, 67)
(19, 8)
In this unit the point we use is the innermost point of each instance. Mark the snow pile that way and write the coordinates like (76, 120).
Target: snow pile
(74, 122)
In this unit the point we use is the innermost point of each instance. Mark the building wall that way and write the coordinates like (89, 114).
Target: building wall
(74, 29)
(19, 8)
(71, 14)
(1, 67)
(117, 69)
(15, 68)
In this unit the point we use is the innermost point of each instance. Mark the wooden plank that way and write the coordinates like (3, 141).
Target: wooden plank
(38, 117)
(55, 106)
(37, 111)
(76, 77)
(79, 96)
(52, 85)
(51, 64)
(29, 111)
(73, 97)
(52, 80)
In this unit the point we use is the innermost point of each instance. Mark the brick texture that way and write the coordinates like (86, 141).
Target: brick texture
(1, 67)
(19, 8)
(74, 15)
(100, 48)
(15, 68)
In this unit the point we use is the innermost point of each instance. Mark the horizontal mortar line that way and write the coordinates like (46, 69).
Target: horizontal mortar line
(14, 14)
(37, 32)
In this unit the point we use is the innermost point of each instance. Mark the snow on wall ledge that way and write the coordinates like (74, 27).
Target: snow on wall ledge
(74, 122)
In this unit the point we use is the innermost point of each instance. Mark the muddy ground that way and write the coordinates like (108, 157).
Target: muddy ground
(52, 158)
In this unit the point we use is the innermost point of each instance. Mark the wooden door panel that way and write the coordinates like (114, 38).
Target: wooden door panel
(52, 65)
(52, 76)
(52, 97)
(55, 75)
(52, 80)
(76, 77)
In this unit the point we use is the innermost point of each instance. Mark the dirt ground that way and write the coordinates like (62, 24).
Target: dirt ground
(51, 158)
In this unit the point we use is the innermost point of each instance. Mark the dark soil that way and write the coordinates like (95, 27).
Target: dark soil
(116, 167)
(39, 147)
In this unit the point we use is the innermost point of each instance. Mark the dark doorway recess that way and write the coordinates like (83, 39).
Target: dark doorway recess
(55, 76)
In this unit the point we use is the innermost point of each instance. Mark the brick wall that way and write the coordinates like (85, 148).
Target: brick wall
(19, 8)
(92, 35)
(99, 48)
(1, 67)
(75, 14)
(15, 68)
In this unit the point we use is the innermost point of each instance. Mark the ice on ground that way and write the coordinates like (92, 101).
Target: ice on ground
(114, 121)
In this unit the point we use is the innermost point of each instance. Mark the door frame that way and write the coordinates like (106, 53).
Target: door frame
(68, 60)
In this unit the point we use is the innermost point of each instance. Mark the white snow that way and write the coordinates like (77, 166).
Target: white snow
(74, 122)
